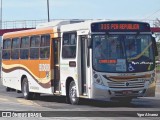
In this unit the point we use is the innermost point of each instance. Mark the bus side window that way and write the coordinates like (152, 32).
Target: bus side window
(6, 49)
(69, 45)
(24, 52)
(15, 48)
(34, 49)
(45, 47)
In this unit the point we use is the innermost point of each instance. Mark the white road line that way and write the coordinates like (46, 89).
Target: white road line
(27, 102)
(3, 99)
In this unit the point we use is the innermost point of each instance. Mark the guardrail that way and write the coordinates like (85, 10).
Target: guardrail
(34, 23)
(21, 24)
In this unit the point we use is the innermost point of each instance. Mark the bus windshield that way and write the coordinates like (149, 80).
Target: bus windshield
(123, 53)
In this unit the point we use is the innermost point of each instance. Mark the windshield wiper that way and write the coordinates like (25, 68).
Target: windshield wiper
(139, 55)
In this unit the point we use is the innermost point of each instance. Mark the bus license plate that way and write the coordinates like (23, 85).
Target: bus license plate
(126, 92)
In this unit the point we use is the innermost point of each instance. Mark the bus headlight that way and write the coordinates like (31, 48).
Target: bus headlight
(153, 74)
(151, 81)
(98, 79)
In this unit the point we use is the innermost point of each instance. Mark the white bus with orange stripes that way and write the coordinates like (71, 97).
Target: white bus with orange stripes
(102, 60)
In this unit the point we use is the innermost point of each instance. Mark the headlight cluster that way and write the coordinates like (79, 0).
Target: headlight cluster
(98, 79)
(152, 78)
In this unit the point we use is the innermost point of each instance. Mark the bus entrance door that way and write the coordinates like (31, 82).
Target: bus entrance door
(83, 63)
(56, 67)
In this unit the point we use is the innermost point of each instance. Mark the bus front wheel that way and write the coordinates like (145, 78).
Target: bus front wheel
(25, 89)
(74, 100)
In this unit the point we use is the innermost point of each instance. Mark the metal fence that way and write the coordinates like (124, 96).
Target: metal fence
(34, 23)
(21, 24)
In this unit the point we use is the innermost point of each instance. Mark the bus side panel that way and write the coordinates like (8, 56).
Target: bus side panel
(64, 73)
(11, 75)
(67, 72)
(35, 85)
(45, 76)
(68, 64)
(38, 74)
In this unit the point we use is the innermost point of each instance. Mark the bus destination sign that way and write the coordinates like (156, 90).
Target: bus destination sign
(120, 27)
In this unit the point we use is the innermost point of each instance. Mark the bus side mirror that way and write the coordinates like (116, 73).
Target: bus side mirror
(89, 43)
(155, 46)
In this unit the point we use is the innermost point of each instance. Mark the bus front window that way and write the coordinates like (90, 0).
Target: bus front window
(122, 53)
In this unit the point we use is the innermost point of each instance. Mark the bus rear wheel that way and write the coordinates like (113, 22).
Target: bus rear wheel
(25, 90)
(8, 89)
(74, 100)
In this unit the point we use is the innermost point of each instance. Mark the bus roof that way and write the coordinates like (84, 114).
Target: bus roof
(64, 26)
(58, 23)
(86, 25)
(48, 30)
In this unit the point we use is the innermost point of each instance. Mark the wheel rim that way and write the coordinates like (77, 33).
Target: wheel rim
(72, 93)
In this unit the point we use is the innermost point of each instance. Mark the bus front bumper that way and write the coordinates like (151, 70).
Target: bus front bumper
(100, 92)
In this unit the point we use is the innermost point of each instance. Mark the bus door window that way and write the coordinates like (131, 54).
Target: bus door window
(69, 45)
(84, 51)
(56, 61)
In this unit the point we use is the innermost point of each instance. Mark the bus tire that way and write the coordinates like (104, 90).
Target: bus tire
(36, 96)
(74, 100)
(8, 89)
(25, 90)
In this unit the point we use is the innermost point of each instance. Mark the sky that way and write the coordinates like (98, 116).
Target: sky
(80, 9)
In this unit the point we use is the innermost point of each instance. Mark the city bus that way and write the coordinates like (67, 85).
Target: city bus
(93, 59)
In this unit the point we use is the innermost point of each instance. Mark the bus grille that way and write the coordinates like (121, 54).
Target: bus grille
(126, 84)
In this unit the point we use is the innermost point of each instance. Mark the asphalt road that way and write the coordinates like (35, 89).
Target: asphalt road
(12, 101)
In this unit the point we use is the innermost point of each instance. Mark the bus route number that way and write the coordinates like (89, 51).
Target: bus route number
(44, 67)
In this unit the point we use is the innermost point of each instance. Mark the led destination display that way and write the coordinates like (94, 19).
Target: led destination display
(120, 27)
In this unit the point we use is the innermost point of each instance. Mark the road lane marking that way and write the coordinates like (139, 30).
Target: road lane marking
(27, 102)
(3, 99)
(18, 100)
